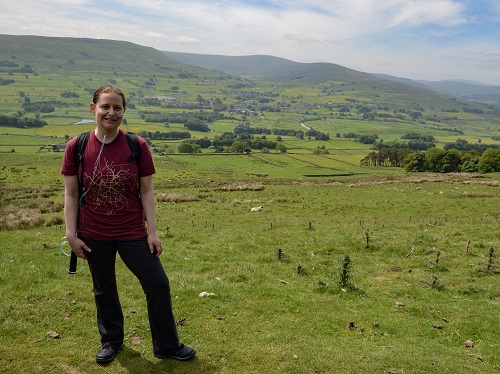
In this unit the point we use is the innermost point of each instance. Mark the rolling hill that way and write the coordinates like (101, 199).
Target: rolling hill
(61, 73)
(277, 69)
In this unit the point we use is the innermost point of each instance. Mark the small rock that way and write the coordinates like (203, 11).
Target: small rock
(52, 335)
(438, 326)
(400, 303)
(133, 310)
(469, 343)
(206, 294)
(181, 322)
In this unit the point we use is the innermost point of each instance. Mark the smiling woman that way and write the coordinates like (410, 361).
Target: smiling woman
(106, 215)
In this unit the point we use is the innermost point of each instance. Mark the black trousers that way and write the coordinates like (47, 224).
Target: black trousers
(154, 281)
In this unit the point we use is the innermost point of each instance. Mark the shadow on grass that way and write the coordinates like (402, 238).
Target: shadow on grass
(134, 362)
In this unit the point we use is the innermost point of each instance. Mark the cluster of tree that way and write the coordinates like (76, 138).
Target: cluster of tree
(9, 64)
(39, 106)
(286, 132)
(230, 142)
(152, 101)
(419, 137)
(473, 110)
(185, 75)
(245, 129)
(392, 157)
(69, 94)
(4, 82)
(413, 145)
(317, 135)
(464, 145)
(437, 160)
(321, 151)
(453, 160)
(171, 135)
(26, 69)
(365, 139)
(195, 124)
(8, 121)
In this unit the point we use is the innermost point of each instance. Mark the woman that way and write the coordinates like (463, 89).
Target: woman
(109, 215)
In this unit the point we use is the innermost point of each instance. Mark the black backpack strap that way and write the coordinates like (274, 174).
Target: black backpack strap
(135, 147)
(81, 143)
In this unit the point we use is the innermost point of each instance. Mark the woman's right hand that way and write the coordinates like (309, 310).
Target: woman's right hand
(78, 246)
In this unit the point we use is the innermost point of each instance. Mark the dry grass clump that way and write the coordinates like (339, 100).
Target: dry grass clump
(14, 218)
(242, 186)
(244, 202)
(476, 194)
(176, 198)
(490, 183)
(11, 193)
(54, 220)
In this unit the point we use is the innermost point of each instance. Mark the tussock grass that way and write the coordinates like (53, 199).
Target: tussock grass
(244, 202)
(477, 194)
(15, 218)
(242, 186)
(176, 197)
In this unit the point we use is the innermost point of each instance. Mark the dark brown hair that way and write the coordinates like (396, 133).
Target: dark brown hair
(108, 89)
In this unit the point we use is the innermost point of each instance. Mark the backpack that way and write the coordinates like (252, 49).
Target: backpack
(81, 143)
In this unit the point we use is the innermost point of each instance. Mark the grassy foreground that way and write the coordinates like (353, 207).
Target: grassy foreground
(421, 277)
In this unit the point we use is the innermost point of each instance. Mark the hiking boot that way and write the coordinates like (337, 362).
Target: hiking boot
(183, 353)
(106, 354)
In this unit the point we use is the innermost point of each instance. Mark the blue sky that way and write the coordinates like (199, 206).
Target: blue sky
(416, 39)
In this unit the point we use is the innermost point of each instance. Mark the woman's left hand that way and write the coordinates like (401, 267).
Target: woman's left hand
(155, 244)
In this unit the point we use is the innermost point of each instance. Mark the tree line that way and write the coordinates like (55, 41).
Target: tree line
(23, 122)
(437, 160)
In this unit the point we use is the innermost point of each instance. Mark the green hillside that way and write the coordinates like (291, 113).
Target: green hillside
(315, 108)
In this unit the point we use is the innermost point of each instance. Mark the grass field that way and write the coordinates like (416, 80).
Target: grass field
(347, 269)
(423, 276)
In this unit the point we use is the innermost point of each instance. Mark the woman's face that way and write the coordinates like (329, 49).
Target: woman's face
(108, 111)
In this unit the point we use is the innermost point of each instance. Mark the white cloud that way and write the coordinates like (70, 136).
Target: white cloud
(403, 37)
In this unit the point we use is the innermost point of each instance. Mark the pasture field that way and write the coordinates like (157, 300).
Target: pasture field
(374, 272)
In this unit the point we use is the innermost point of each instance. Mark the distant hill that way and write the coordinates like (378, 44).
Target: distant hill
(57, 64)
(466, 89)
(270, 68)
(460, 88)
(80, 56)
(275, 69)
(404, 91)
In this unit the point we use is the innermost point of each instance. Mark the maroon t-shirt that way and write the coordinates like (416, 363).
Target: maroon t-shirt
(112, 208)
